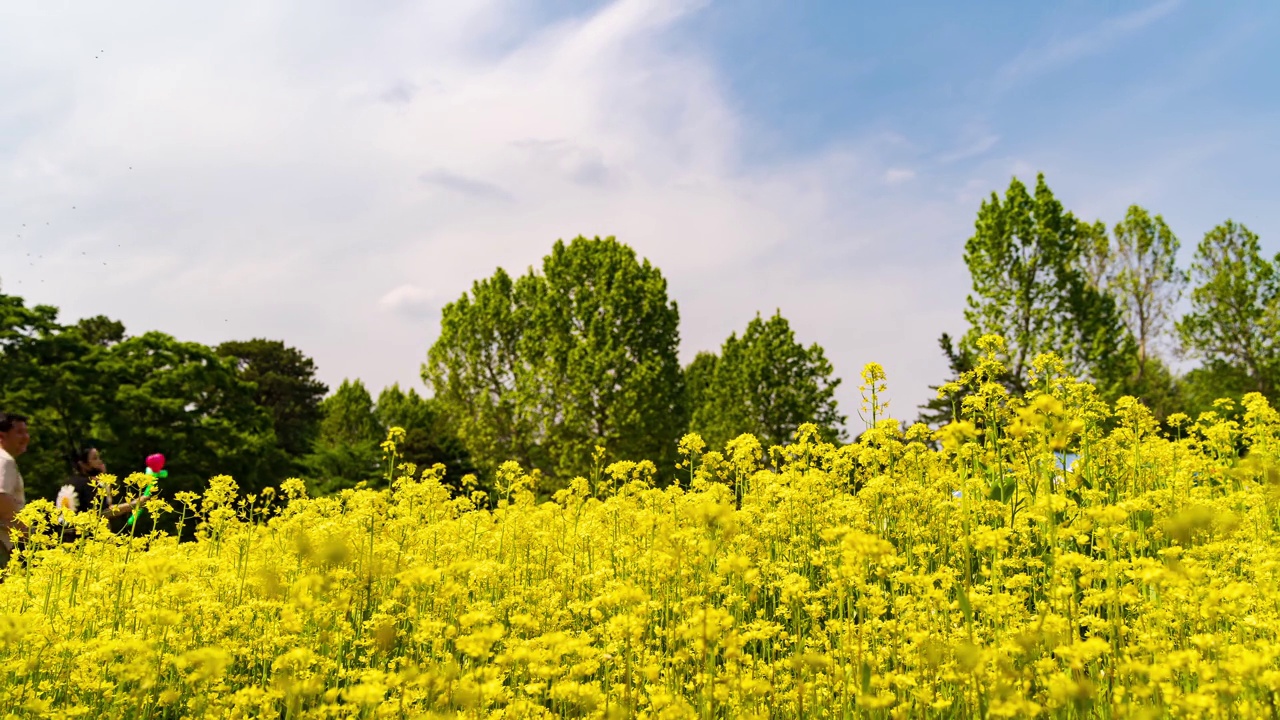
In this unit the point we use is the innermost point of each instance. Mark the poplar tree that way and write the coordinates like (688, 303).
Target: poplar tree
(1137, 266)
(1030, 285)
(1234, 323)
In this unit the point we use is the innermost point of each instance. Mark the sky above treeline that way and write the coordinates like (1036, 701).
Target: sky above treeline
(333, 173)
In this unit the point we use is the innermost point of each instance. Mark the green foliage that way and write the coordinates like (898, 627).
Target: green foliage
(1146, 279)
(50, 375)
(348, 417)
(766, 384)
(346, 450)
(544, 369)
(697, 380)
(1030, 285)
(941, 409)
(427, 440)
(481, 372)
(101, 330)
(286, 385)
(1158, 388)
(1234, 323)
(131, 397)
(609, 372)
(1139, 269)
(158, 394)
(1202, 387)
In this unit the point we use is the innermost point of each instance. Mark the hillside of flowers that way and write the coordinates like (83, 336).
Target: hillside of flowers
(1047, 556)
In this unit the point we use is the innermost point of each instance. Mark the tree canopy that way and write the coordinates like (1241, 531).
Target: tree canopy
(1030, 288)
(1234, 323)
(346, 450)
(545, 368)
(1037, 282)
(285, 384)
(764, 383)
(89, 384)
(427, 440)
(580, 353)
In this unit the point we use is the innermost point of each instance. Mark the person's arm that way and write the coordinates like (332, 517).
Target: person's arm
(115, 511)
(8, 505)
(9, 495)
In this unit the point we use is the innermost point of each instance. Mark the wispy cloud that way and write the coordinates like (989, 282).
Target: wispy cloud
(563, 158)
(1046, 57)
(897, 176)
(970, 149)
(466, 186)
(339, 182)
(413, 301)
(400, 93)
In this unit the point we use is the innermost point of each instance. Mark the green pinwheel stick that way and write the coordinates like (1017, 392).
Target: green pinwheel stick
(155, 471)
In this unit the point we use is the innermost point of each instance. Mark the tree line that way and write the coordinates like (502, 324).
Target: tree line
(581, 353)
(1108, 300)
(250, 409)
(542, 369)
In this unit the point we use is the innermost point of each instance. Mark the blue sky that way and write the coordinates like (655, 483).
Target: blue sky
(811, 73)
(332, 173)
(1116, 89)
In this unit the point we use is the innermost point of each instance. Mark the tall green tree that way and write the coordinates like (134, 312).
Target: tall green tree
(286, 385)
(1146, 280)
(49, 373)
(1031, 286)
(427, 439)
(482, 372)
(1139, 269)
(767, 384)
(610, 372)
(347, 448)
(1234, 323)
(349, 418)
(183, 400)
(697, 381)
(543, 369)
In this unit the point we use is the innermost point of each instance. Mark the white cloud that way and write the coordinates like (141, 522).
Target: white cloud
(897, 176)
(332, 175)
(411, 300)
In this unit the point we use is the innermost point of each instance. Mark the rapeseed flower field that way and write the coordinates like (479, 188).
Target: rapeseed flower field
(959, 574)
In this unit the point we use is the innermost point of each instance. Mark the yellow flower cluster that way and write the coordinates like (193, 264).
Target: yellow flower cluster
(891, 578)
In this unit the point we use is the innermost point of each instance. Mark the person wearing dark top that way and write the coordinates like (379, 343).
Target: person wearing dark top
(81, 492)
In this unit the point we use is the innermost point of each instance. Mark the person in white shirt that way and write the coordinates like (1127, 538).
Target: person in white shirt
(13, 497)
